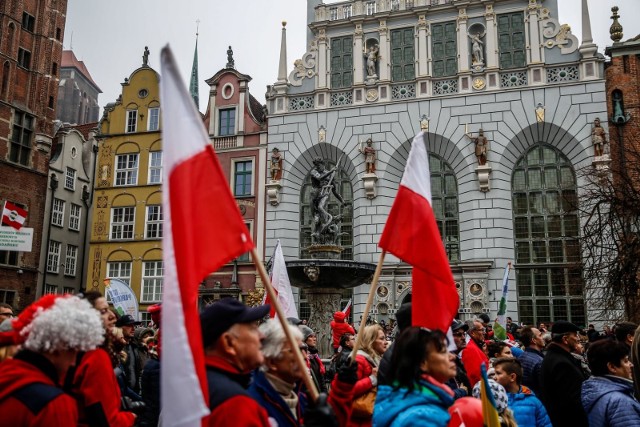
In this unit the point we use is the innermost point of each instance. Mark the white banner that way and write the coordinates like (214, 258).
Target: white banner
(16, 240)
(122, 297)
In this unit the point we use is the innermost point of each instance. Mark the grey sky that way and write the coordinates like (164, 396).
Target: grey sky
(109, 36)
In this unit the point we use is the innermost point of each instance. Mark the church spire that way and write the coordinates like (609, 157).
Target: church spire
(193, 85)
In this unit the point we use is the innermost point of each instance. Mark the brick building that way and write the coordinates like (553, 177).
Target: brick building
(31, 34)
(77, 93)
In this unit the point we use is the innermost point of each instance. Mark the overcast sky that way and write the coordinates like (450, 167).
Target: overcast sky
(110, 36)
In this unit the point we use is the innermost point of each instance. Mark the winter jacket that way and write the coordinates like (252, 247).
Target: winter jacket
(426, 405)
(229, 401)
(531, 361)
(609, 401)
(472, 358)
(318, 369)
(150, 383)
(561, 384)
(461, 379)
(97, 392)
(527, 409)
(385, 364)
(366, 382)
(263, 392)
(339, 327)
(30, 394)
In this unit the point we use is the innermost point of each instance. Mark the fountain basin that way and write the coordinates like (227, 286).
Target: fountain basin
(329, 273)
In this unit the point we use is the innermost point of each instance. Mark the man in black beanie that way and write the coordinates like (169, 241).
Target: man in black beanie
(403, 319)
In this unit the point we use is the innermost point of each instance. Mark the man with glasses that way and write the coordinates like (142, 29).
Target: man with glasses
(6, 311)
(460, 383)
(562, 377)
(473, 357)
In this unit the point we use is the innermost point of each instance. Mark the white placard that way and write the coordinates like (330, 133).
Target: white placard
(16, 240)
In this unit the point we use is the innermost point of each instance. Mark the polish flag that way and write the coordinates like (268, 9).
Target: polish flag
(412, 234)
(13, 216)
(203, 231)
(282, 285)
(347, 309)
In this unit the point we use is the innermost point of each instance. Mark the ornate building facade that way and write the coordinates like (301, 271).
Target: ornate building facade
(507, 97)
(127, 227)
(30, 52)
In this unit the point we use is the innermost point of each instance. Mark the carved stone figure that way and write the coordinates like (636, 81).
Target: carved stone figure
(481, 149)
(477, 55)
(369, 156)
(145, 57)
(230, 62)
(322, 186)
(372, 58)
(276, 165)
(618, 110)
(599, 138)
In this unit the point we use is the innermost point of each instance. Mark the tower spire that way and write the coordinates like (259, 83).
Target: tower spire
(194, 84)
(282, 69)
(588, 49)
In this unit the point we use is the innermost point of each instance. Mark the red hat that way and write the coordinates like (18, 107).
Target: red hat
(466, 411)
(155, 311)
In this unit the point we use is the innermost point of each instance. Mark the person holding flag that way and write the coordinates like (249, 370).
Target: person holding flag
(339, 326)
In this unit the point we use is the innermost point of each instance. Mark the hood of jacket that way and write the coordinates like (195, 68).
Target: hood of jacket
(339, 316)
(391, 402)
(595, 388)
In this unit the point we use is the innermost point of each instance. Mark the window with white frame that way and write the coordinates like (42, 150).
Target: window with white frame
(153, 223)
(53, 256)
(145, 318)
(132, 121)
(154, 119)
(70, 179)
(333, 13)
(68, 290)
(71, 260)
(57, 214)
(122, 223)
(347, 11)
(50, 289)
(227, 123)
(127, 169)
(152, 278)
(155, 167)
(245, 256)
(242, 177)
(120, 270)
(74, 217)
(370, 8)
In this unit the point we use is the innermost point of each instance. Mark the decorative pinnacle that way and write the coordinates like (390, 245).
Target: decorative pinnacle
(284, 23)
(616, 28)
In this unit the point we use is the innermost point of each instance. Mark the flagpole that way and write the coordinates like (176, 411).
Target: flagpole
(367, 307)
(308, 382)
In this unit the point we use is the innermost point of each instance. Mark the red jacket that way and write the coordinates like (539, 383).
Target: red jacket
(472, 358)
(229, 401)
(364, 384)
(339, 327)
(96, 389)
(33, 369)
(340, 398)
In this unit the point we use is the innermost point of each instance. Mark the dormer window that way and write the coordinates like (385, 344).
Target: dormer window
(227, 125)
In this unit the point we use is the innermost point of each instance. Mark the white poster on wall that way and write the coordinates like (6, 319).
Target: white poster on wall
(16, 240)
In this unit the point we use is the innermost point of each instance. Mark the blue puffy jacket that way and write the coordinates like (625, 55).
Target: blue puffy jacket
(527, 409)
(425, 406)
(609, 401)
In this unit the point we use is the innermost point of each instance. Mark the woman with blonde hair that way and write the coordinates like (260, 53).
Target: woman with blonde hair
(373, 343)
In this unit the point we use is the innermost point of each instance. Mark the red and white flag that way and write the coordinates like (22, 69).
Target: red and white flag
(203, 231)
(347, 309)
(13, 216)
(412, 234)
(282, 285)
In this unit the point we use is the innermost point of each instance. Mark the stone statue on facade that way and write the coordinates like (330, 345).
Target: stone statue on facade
(372, 59)
(145, 57)
(324, 225)
(477, 55)
(599, 138)
(369, 156)
(276, 165)
(481, 147)
(230, 61)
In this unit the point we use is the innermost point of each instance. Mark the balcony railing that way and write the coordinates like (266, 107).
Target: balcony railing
(224, 142)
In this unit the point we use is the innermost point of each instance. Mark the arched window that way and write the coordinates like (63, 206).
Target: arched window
(343, 184)
(444, 199)
(5, 80)
(546, 231)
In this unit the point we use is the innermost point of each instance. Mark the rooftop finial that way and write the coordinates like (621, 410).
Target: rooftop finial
(145, 57)
(230, 62)
(616, 28)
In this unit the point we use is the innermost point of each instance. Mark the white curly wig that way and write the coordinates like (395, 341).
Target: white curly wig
(70, 323)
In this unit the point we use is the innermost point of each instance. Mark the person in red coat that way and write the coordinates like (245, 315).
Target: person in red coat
(339, 327)
(52, 331)
(473, 356)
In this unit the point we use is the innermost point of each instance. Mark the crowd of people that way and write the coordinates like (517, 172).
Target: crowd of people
(73, 360)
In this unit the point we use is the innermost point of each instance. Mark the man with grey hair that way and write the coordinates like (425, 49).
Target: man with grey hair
(275, 386)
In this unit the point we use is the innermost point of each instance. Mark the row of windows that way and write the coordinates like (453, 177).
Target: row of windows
(54, 289)
(153, 121)
(152, 278)
(123, 222)
(57, 214)
(70, 260)
(127, 166)
(444, 50)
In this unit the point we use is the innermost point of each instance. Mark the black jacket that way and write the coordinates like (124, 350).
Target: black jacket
(561, 384)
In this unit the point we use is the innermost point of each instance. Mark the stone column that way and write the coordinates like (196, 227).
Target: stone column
(423, 69)
(358, 56)
(385, 51)
(534, 32)
(323, 302)
(492, 38)
(322, 59)
(463, 41)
